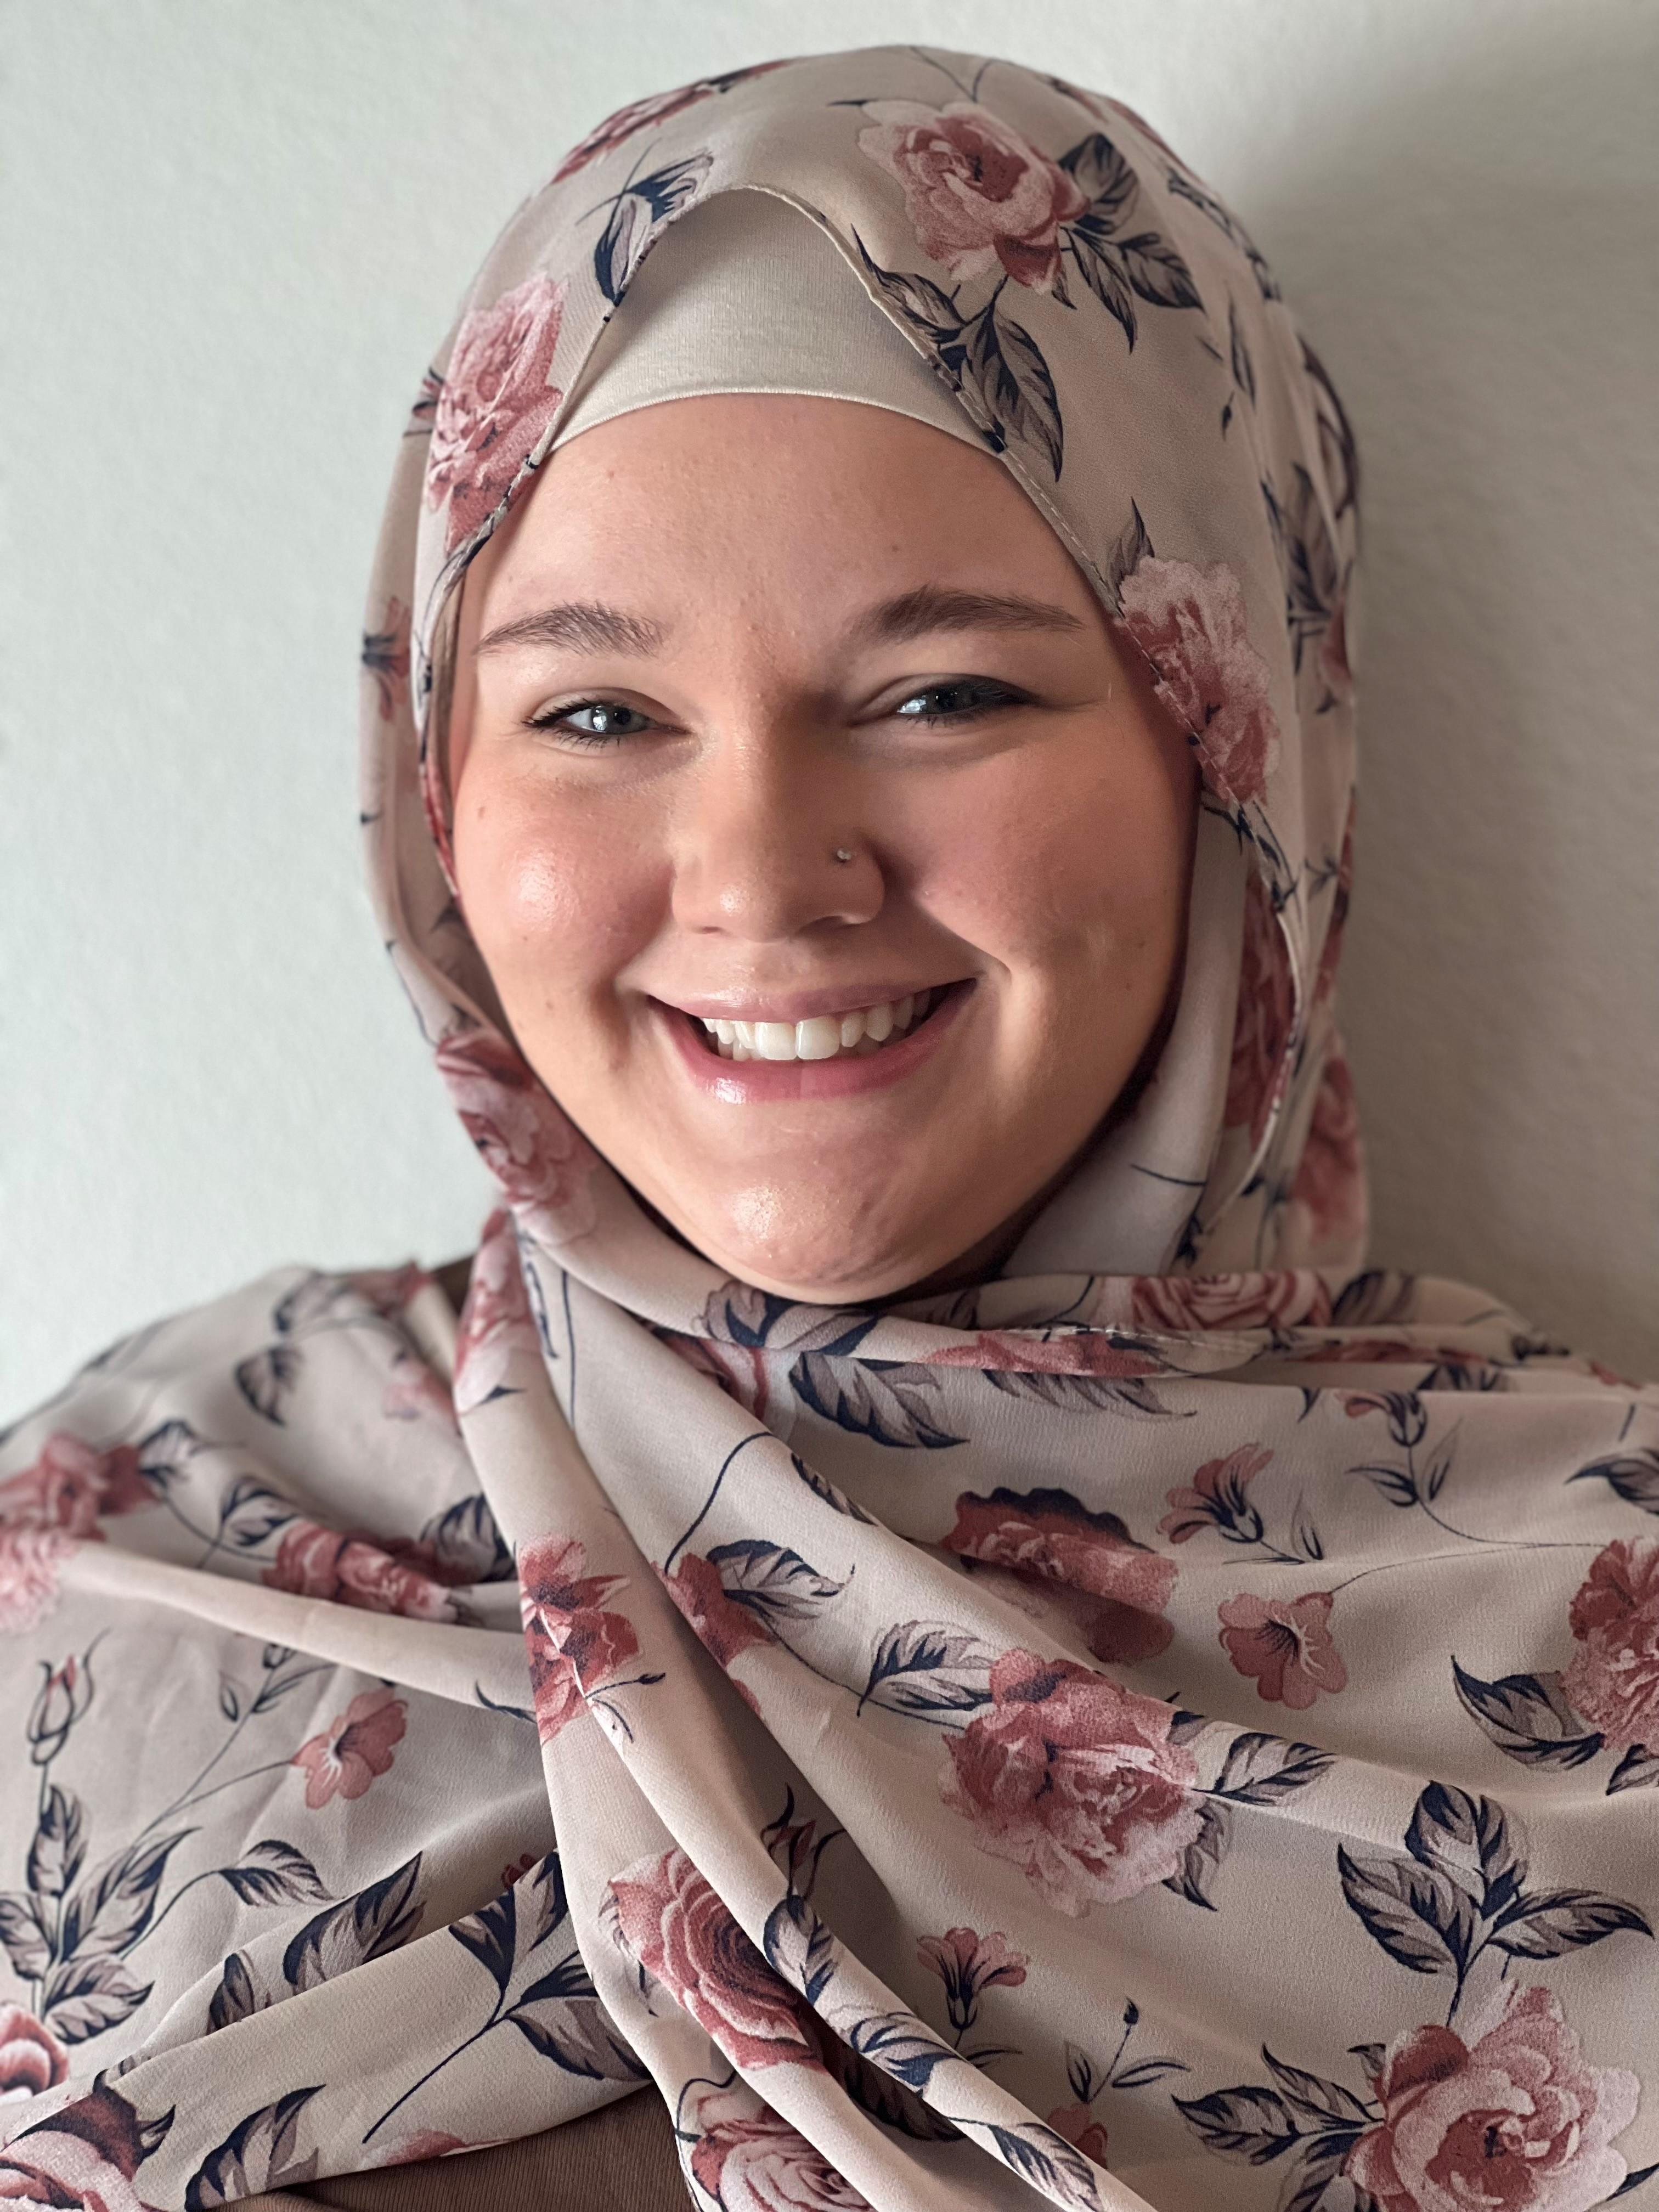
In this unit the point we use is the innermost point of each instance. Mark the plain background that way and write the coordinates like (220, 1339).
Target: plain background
(230, 235)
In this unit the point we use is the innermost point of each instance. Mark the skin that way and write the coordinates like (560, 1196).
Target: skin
(1035, 844)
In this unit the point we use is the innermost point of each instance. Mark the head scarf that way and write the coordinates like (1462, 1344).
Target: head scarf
(1167, 1725)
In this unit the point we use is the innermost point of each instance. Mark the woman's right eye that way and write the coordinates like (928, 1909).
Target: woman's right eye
(593, 721)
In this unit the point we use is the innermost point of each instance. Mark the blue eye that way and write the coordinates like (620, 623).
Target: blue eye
(959, 701)
(608, 721)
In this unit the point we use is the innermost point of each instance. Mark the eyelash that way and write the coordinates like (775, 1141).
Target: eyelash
(994, 696)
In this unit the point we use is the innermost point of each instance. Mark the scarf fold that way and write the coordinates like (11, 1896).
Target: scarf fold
(1167, 1725)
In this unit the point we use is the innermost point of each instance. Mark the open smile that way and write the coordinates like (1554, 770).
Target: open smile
(823, 1055)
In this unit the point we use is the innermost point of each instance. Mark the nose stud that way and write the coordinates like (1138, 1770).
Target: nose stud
(842, 853)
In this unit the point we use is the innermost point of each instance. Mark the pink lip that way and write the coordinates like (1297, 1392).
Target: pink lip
(800, 1006)
(755, 1082)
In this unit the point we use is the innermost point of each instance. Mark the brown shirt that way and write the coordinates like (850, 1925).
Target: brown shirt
(620, 2158)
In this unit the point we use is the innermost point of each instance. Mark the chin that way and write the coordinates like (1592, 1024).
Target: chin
(827, 1271)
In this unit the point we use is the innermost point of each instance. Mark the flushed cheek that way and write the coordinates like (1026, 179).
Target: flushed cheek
(560, 910)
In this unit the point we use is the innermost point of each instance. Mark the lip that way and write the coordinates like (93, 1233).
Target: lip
(804, 1005)
(757, 1082)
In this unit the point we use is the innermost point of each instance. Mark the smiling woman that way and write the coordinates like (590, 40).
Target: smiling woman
(928, 1604)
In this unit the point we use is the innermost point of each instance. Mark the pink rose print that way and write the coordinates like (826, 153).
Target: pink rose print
(1330, 1180)
(1215, 1498)
(1076, 1781)
(967, 1964)
(425, 2142)
(1613, 1678)
(354, 1749)
(72, 1486)
(497, 1323)
(1190, 624)
(748, 2160)
(1083, 1352)
(1508, 2116)
(31, 2057)
(656, 109)
(723, 1627)
(82, 2160)
(415, 1392)
(738, 1368)
(313, 1561)
(64, 1696)
(529, 1145)
(574, 1644)
(669, 1922)
(1284, 1298)
(1078, 2126)
(977, 193)
(1285, 1643)
(1264, 1019)
(1050, 1533)
(518, 1870)
(29, 1561)
(495, 404)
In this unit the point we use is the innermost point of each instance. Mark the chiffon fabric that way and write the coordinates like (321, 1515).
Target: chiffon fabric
(1168, 1726)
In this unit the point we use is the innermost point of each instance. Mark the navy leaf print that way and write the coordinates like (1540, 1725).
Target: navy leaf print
(490, 1935)
(89, 1994)
(887, 1401)
(1010, 388)
(59, 1843)
(885, 2098)
(235, 1998)
(835, 1499)
(22, 1936)
(111, 1909)
(901, 2045)
(1188, 188)
(1261, 1769)
(1248, 2122)
(1131, 547)
(1419, 1915)
(1543, 1927)
(918, 301)
(376, 1920)
(469, 1546)
(930, 1667)
(771, 1580)
(1243, 367)
(562, 2020)
(266, 1379)
(274, 1872)
(1191, 1879)
(1638, 1769)
(1102, 172)
(1527, 1717)
(1468, 1837)
(1048, 2162)
(1634, 2181)
(1633, 1476)
(1318, 2099)
(257, 2154)
(638, 213)
(1133, 1397)
(799, 1948)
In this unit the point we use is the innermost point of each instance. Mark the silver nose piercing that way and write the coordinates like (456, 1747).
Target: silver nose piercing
(842, 853)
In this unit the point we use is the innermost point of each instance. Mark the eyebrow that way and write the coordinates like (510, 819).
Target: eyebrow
(590, 626)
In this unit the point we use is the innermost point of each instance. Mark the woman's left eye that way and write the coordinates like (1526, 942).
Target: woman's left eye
(958, 701)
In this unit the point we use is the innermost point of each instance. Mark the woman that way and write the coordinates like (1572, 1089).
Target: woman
(1053, 1683)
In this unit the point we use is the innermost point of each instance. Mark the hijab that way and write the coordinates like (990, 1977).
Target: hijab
(1166, 1724)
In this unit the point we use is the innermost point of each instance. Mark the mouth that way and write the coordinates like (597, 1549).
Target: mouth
(861, 1033)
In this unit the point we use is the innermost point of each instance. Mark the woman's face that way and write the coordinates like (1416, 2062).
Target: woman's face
(726, 641)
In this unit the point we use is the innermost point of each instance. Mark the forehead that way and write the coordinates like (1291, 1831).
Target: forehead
(753, 493)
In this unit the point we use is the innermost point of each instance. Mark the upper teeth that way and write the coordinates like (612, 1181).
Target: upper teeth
(863, 1031)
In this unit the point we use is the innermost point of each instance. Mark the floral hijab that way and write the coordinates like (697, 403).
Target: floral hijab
(1168, 1726)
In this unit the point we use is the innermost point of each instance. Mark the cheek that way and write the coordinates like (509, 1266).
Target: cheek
(1056, 862)
(553, 899)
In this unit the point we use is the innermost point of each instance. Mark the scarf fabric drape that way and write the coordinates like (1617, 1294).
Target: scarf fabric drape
(1170, 1725)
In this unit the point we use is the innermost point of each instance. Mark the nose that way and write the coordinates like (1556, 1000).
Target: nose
(756, 851)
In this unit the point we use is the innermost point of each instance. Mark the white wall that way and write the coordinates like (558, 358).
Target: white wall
(229, 234)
